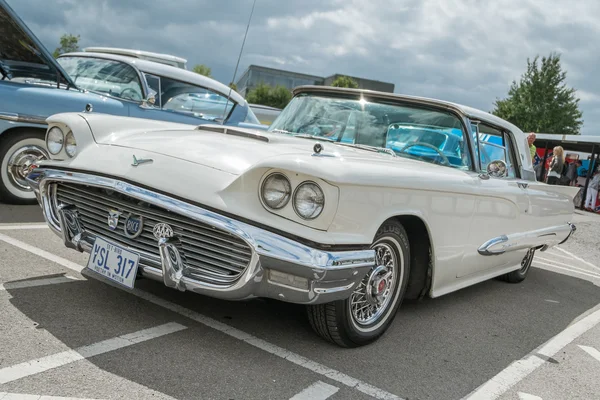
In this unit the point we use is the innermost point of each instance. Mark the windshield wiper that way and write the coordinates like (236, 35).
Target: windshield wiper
(307, 136)
(371, 148)
(303, 135)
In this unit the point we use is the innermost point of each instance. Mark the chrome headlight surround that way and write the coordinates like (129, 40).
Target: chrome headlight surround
(70, 144)
(55, 140)
(310, 195)
(285, 195)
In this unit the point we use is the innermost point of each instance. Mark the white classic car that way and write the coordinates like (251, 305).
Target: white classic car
(351, 202)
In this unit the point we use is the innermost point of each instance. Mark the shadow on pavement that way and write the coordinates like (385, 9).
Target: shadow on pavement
(436, 348)
(20, 214)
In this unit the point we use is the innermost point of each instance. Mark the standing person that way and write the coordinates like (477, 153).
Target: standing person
(556, 165)
(572, 172)
(592, 192)
(530, 140)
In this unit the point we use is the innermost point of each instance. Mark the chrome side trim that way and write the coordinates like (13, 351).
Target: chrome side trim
(24, 118)
(541, 238)
(486, 248)
(573, 229)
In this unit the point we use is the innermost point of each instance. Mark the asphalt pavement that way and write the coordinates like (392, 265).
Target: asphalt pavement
(66, 334)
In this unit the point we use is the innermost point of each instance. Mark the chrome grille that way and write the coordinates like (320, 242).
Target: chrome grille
(210, 254)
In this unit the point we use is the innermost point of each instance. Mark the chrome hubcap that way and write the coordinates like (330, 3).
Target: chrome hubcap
(20, 162)
(370, 299)
(526, 262)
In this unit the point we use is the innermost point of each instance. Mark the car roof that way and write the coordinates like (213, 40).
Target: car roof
(168, 71)
(470, 112)
(134, 53)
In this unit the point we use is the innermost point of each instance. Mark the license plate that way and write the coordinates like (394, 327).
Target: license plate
(114, 262)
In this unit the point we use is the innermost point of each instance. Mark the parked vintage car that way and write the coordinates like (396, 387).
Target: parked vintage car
(33, 86)
(319, 210)
(265, 114)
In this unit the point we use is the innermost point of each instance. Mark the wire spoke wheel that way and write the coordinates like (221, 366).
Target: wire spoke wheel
(526, 262)
(368, 311)
(372, 296)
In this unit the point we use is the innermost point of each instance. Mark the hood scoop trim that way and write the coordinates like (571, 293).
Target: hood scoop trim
(232, 131)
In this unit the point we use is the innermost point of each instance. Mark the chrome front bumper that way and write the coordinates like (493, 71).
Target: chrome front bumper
(280, 268)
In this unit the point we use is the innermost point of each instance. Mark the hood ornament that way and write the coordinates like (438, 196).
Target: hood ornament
(140, 161)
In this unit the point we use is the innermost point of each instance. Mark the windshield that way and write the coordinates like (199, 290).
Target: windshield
(409, 131)
(113, 78)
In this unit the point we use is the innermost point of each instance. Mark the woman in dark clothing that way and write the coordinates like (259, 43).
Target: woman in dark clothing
(556, 165)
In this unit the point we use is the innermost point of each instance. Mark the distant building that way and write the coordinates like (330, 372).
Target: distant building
(256, 75)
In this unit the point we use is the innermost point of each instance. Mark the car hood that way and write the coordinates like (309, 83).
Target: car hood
(22, 55)
(236, 150)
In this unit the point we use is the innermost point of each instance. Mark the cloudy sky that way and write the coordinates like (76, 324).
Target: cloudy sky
(466, 51)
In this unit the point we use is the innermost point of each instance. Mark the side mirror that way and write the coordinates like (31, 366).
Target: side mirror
(497, 169)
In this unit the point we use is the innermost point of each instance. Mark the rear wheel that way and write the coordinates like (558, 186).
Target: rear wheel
(17, 152)
(520, 274)
(368, 313)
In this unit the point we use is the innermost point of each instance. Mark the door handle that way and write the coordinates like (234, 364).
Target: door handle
(523, 185)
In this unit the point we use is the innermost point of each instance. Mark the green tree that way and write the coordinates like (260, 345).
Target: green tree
(280, 96)
(345, 82)
(541, 101)
(233, 86)
(264, 94)
(202, 70)
(68, 44)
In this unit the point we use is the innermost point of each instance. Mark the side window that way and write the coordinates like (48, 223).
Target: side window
(495, 145)
(195, 100)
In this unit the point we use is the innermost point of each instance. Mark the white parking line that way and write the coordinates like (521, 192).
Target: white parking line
(19, 396)
(37, 282)
(578, 258)
(527, 396)
(42, 253)
(317, 391)
(518, 370)
(557, 264)
(19, 227)
(228, 330)
(591, 351)
(590, 274)
(42, 364)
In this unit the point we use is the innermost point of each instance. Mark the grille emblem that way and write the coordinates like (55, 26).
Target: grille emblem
(162, 231)
(113, 219)
(134, 225)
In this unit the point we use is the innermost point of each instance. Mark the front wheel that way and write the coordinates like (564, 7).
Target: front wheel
(17, 152)
(368, 313)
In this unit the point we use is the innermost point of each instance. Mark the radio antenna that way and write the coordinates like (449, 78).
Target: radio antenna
(238, 60)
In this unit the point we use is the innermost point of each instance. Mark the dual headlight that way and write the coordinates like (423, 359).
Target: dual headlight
(56, 140)
(308, 199)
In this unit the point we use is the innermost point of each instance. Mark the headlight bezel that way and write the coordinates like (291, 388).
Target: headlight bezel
(262, 191)
(294, 201)
(62, 142)
(288, 214)
(66, 144)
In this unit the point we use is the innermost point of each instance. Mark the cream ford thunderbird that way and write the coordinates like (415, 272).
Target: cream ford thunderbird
(351, 202)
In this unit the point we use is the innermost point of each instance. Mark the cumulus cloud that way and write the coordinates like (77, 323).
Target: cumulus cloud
(467, 51)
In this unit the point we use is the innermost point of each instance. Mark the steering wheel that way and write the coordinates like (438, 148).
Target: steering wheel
(444, 158)
(135, 95)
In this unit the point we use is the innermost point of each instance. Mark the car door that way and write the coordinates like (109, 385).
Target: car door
(182, 102)
(501, 208)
